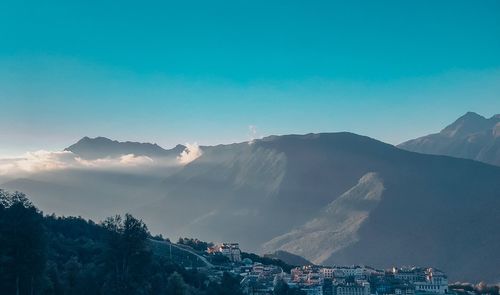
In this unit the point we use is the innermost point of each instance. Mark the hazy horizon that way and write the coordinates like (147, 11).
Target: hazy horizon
(174, 73)
(252, 133)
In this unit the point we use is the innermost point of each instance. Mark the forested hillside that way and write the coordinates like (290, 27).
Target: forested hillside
(69, 255)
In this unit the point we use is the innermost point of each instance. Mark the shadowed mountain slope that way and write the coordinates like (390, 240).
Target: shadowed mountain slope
(331, 198)
(330, 193)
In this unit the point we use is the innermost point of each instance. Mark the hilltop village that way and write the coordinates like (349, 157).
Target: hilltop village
(262, 278)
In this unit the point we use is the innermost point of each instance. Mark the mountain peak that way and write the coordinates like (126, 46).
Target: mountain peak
(472, 115)
(87, 139)
(467, 124)
(470, 118)
(471, 136)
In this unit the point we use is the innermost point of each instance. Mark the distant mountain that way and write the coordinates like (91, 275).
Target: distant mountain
(332, 198)
(471, 136)
(340, 198)
(102, 147)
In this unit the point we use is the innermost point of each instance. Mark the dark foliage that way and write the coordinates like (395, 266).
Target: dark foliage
(23, 245)
(230, 285)
(70, 255)
(219, 259)
(267, 261)
(282, 288)
(195, 244)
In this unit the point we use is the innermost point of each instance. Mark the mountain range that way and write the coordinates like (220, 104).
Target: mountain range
(471, 136)
(102, 147)
(332, 198)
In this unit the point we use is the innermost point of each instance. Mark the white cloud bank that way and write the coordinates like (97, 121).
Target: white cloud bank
(36, 161)
(39, 161)
(129, 160)
(190, 153)
(33, 162)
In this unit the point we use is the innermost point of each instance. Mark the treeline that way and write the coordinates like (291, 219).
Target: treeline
(268, 261)
(196, 244)
(67, 255)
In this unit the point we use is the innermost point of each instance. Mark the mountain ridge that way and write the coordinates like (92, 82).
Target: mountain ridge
(254, 192)
(102, 147)
(471, 136)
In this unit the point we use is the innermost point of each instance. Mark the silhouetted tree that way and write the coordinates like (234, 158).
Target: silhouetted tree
(128, 256)
(72, 256)
(23, 248)
(229, 285)
(72, 270)
(176, 285)
(282, 288)
(195, 244)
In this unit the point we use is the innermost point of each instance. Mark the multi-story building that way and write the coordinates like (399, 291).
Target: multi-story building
(349, 280)
(309, 274)
(229, 250)
(261, 279)
(425, 280)
(356, 271)
(391, 286)
(327, 272)
(407, 274)
(435, 282)
(312, 289)
(352, 289)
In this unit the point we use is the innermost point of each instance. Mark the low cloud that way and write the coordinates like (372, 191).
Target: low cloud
(39, 161)
(129, 160)
(252, 134)
(189, 154)
(36, 161)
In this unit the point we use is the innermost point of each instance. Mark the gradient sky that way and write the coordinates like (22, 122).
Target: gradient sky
(204, 71)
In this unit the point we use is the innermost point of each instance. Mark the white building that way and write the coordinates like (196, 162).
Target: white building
(425, 280)
(435, 282)
(313, 289)
(356, 271)
(411, 275)
(327, 272)
(230, 250)
(353, 289)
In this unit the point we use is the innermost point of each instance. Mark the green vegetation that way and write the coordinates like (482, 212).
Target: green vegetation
(195, 244)
(67, 255)
(282, 288)
(267, 261)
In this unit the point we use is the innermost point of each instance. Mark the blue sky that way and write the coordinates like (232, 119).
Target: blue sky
(204, 71)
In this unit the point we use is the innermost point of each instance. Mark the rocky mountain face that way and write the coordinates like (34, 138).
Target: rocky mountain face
(332, 198)
(471, 137)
